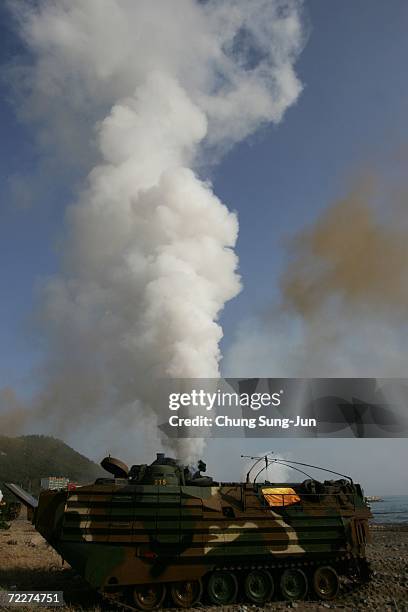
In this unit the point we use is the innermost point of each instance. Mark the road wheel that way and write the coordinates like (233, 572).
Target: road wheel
(149, 596)
(293, 584)
(259, 586)
(326, 582)
(186, 594)
(222, 588)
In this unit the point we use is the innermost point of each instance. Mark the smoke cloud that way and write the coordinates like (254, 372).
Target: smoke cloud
(353, 255)
(144, 93)
(344, 294)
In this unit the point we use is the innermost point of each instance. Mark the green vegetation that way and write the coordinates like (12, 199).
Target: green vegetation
(27, 459)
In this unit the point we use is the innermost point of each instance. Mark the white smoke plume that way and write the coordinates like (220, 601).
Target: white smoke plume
(149, 90)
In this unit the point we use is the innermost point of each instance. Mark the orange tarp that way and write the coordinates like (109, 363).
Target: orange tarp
(280, 496)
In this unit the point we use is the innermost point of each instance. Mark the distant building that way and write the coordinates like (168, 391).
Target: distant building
(54, 482)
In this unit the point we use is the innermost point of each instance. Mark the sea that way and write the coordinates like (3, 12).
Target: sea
(392, 509)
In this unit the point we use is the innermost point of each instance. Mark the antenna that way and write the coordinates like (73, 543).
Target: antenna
(288, 463)
(258, 459)
(282, 462)
(317, 467)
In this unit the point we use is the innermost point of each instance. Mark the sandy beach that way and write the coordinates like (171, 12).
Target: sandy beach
(27, 562)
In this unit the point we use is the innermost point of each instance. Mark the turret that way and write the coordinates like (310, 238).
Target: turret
(163, 471)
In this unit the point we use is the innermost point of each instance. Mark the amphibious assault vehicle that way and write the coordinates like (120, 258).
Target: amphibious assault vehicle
(165, 533)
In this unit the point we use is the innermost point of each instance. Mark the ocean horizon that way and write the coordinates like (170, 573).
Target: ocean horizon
(391, 509)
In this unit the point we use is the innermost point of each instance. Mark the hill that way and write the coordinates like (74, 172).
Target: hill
(26, 459)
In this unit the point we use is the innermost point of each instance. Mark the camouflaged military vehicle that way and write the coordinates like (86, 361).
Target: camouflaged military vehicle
(165, 534)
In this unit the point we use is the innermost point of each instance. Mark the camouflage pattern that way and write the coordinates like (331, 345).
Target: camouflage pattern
(120, 533)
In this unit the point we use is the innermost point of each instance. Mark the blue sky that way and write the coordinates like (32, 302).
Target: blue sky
(350, 115)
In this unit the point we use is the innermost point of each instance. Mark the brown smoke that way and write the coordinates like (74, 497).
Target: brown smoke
(356, 254)
(344, 291)
(13, 413)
